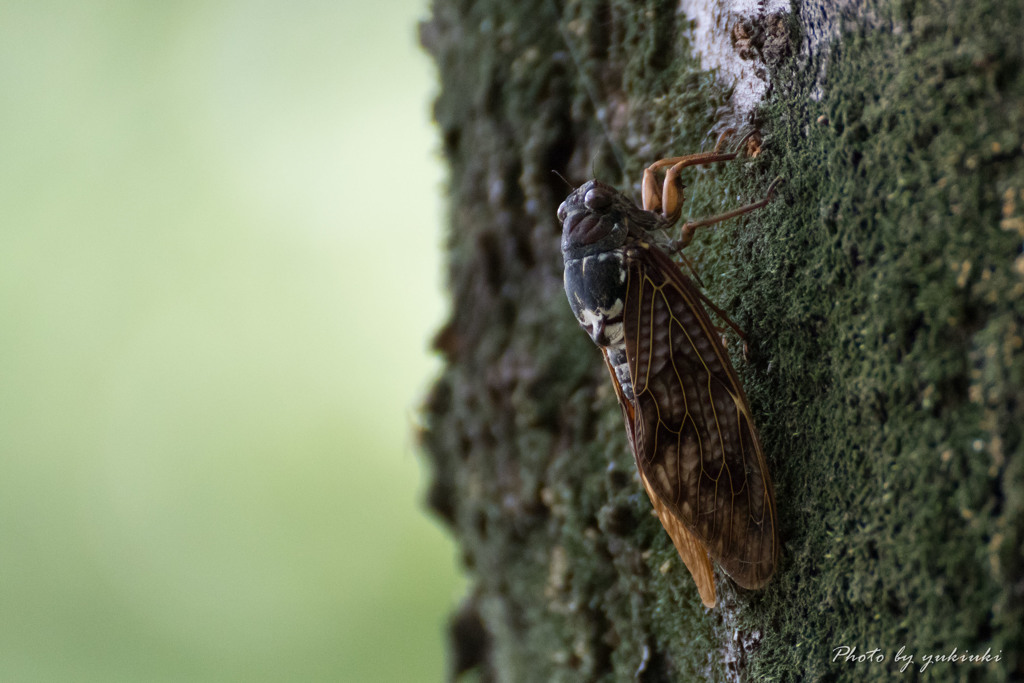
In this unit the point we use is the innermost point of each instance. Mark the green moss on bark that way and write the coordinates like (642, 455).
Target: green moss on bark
(881, 296)
(886, 291)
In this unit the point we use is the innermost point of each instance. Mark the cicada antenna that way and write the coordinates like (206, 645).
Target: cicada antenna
(562, 178)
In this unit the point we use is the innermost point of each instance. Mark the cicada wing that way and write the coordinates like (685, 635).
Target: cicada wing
(691, 549)
(693, 553)
(694, 440)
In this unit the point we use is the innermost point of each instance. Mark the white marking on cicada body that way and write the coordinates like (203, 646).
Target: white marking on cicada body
(604, 325)
(615, 255)
(615, 334)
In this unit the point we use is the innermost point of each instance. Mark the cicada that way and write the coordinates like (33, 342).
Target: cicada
(687, 417)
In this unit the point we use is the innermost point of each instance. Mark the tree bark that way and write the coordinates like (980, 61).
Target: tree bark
(881, 295)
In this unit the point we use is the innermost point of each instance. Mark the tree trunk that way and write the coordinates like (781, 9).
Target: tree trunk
(881, 295)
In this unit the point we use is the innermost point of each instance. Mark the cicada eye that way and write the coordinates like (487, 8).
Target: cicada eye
(597, 199)
(561, 212)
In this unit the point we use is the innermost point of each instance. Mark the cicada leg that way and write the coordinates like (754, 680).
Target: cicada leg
(691, 226)
(686, 232)
(669, 200)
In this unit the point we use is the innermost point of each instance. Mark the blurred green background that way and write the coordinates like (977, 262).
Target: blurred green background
(219, 237)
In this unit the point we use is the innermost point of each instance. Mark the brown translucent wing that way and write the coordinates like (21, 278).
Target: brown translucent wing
(693, 553)
(692, 434)
(690, 548)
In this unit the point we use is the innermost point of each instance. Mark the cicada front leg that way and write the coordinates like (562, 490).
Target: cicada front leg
(668, 201)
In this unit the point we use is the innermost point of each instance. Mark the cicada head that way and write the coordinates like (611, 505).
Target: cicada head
(593, 220)
(597, 218)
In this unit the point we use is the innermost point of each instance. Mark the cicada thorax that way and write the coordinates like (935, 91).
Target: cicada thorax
(596, 287)
(599, 224)
(687, 418)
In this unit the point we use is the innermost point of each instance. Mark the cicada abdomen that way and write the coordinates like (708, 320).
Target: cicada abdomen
(686, 414)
